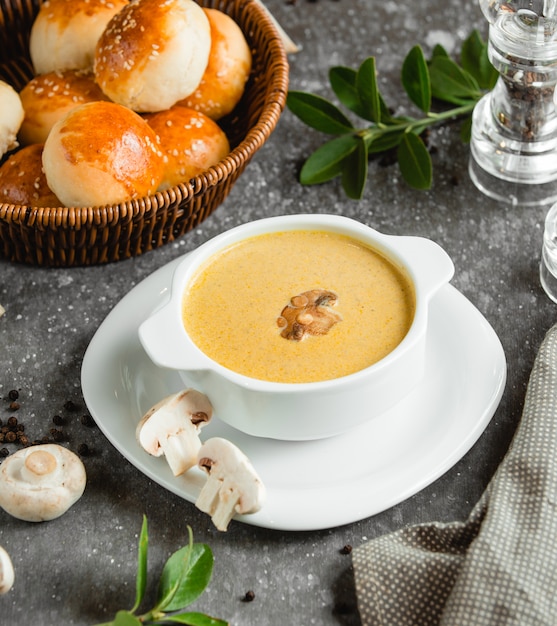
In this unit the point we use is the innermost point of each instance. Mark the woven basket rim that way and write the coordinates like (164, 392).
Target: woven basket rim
(237, 158)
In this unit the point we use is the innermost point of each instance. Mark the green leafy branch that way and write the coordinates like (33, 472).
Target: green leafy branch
(185, 576)
(439, 79)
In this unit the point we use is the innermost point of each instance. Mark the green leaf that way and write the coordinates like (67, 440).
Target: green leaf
(439, 51)
(366, 84)
(354, 173)
(194, 619)
(415, 79)
(328, 160)
(343, 83)
(450, 83)
(125, 618)
(474, 59)
(318, 113)
(141, 578)
(185, 576)
(414, 162)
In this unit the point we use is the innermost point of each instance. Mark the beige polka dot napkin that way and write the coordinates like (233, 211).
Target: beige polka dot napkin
(500, 566)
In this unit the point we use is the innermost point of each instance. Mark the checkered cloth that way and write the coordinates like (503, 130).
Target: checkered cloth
(500, 566)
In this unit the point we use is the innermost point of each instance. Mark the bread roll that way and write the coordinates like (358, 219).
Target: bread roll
(22, 179)
(153, 53)
(65, 33)
(191, 142)
(11, 116)
(48, 97)
(228, 69)
(102, 153)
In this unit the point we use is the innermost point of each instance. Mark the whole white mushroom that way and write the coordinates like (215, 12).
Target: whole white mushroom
(7, 574)
(41, 482)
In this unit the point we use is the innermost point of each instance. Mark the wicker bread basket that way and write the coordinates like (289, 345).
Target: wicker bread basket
(65, 237)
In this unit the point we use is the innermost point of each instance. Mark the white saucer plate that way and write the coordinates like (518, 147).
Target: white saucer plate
(313, 485)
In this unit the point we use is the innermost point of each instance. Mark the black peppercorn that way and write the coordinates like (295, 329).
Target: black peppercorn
(4, 452)
(58, 420)
(12, 422)
(87, 420)
(249, 597)
(347, 549)
(83, 449)
(57, 435)
(13, 394)
(70, 406)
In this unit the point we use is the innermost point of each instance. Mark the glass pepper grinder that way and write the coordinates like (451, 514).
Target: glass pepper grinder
(514, 127)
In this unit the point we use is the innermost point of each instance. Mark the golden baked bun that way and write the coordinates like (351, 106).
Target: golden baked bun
(102, 153)
(153, 53)
(48, 97)
(191, 142)
(22, 179)
(65, 33)
(11, 116)
(228, 69)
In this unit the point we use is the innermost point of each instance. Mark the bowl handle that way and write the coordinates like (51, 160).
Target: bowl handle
(164, 339)
(433, 267)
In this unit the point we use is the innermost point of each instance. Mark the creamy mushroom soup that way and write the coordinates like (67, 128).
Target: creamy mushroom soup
(298, 306)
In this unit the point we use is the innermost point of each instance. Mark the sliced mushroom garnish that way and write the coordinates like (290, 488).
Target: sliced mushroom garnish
(309, 313)
(172, 427)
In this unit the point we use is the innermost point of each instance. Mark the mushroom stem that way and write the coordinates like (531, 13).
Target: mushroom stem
(38, 466)
(181, 451)
(226, 506)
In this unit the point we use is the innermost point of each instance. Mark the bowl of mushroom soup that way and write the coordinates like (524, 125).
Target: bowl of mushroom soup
(299, 327)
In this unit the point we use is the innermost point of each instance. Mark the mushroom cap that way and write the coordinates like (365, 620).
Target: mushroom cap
(40, 483)
(7, 574)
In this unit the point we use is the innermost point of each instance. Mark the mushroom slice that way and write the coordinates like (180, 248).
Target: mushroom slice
(6, 572)
(232, 486)
(171, 428)
(41, 482)
(309, 313)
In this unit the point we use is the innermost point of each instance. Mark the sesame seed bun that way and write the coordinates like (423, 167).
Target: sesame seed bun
(22, 179)
(190, 141)
(153, 53)
(11, 116)
(65, 33)
(48, 97)
(102, 153)
(228, 69)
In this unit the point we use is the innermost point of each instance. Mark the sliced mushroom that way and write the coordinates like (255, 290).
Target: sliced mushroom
(7, 574)
(309, 313)
(41, 482)
(172, 428)
(232, 486)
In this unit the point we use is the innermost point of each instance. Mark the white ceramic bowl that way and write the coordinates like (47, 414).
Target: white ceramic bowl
(301, 411)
